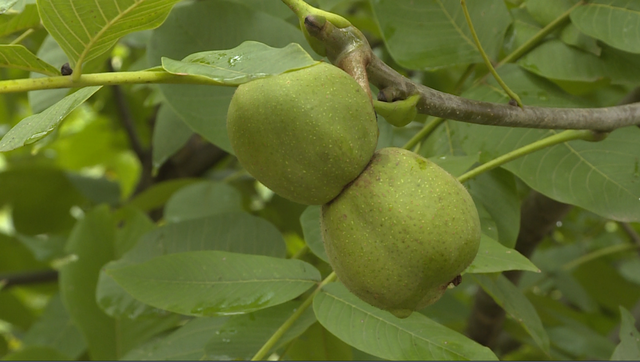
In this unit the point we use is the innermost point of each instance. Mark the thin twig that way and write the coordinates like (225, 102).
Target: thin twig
(294, 317)
(37, 277)
(485, 57)
(423, 133)
(553, 140)
(538, 37)
(22, 36)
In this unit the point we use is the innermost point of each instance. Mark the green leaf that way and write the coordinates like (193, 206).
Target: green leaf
(18, 57)
(208, 283)
(494, 257)
(92, 242)
(6, 5)
(202, 199)
(581, 342)
(310, 221)
(630, 270)
(574, 292)
(37, 126)
(621, 66)
(44, 247)
(11, 23)
(318, 344)
(184, 344)
(516, 304)
(218, 25)
(25, 188)
(170, 134)
(432, 34)
(244, 63)
(614, 22)
(629, 347)
(242, 336)
(379, 333)
(577, 65)
(55, 329)
(234, 232)
(86, 31)
(599, 176)
(158, 194)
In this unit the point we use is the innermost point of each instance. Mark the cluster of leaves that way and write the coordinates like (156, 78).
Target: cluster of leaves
(211, 265)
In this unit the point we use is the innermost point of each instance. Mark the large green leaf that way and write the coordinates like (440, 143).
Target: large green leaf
(219, 25)
(511, 299)
(208, 283)
(243, 335)
(310, 221)
(37, 126)
(381, 334)
(599, 176)
(433, 34)
(629, 347)
(202, 199)
(234, 232)
(494, 257)
(614, 22)
(87, 29)
(244, 63)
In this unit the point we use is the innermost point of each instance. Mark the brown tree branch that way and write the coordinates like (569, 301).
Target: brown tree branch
(339, 41)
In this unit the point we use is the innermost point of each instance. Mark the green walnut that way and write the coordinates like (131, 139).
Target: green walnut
(304, 134)
(401, 232)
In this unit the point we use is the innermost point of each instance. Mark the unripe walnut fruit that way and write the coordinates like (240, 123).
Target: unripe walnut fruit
(401, 232)
(304, 134)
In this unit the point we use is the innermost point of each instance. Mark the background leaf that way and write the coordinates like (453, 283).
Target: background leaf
(56, 330)
(413, 29)
(85, 32)
(34, 128)
(202, 199)
(614, 22)
(170, 134)
(381, 334)
(629, 347)
(207, 283)
(310, 221)
(516, 304)
(184, 344)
